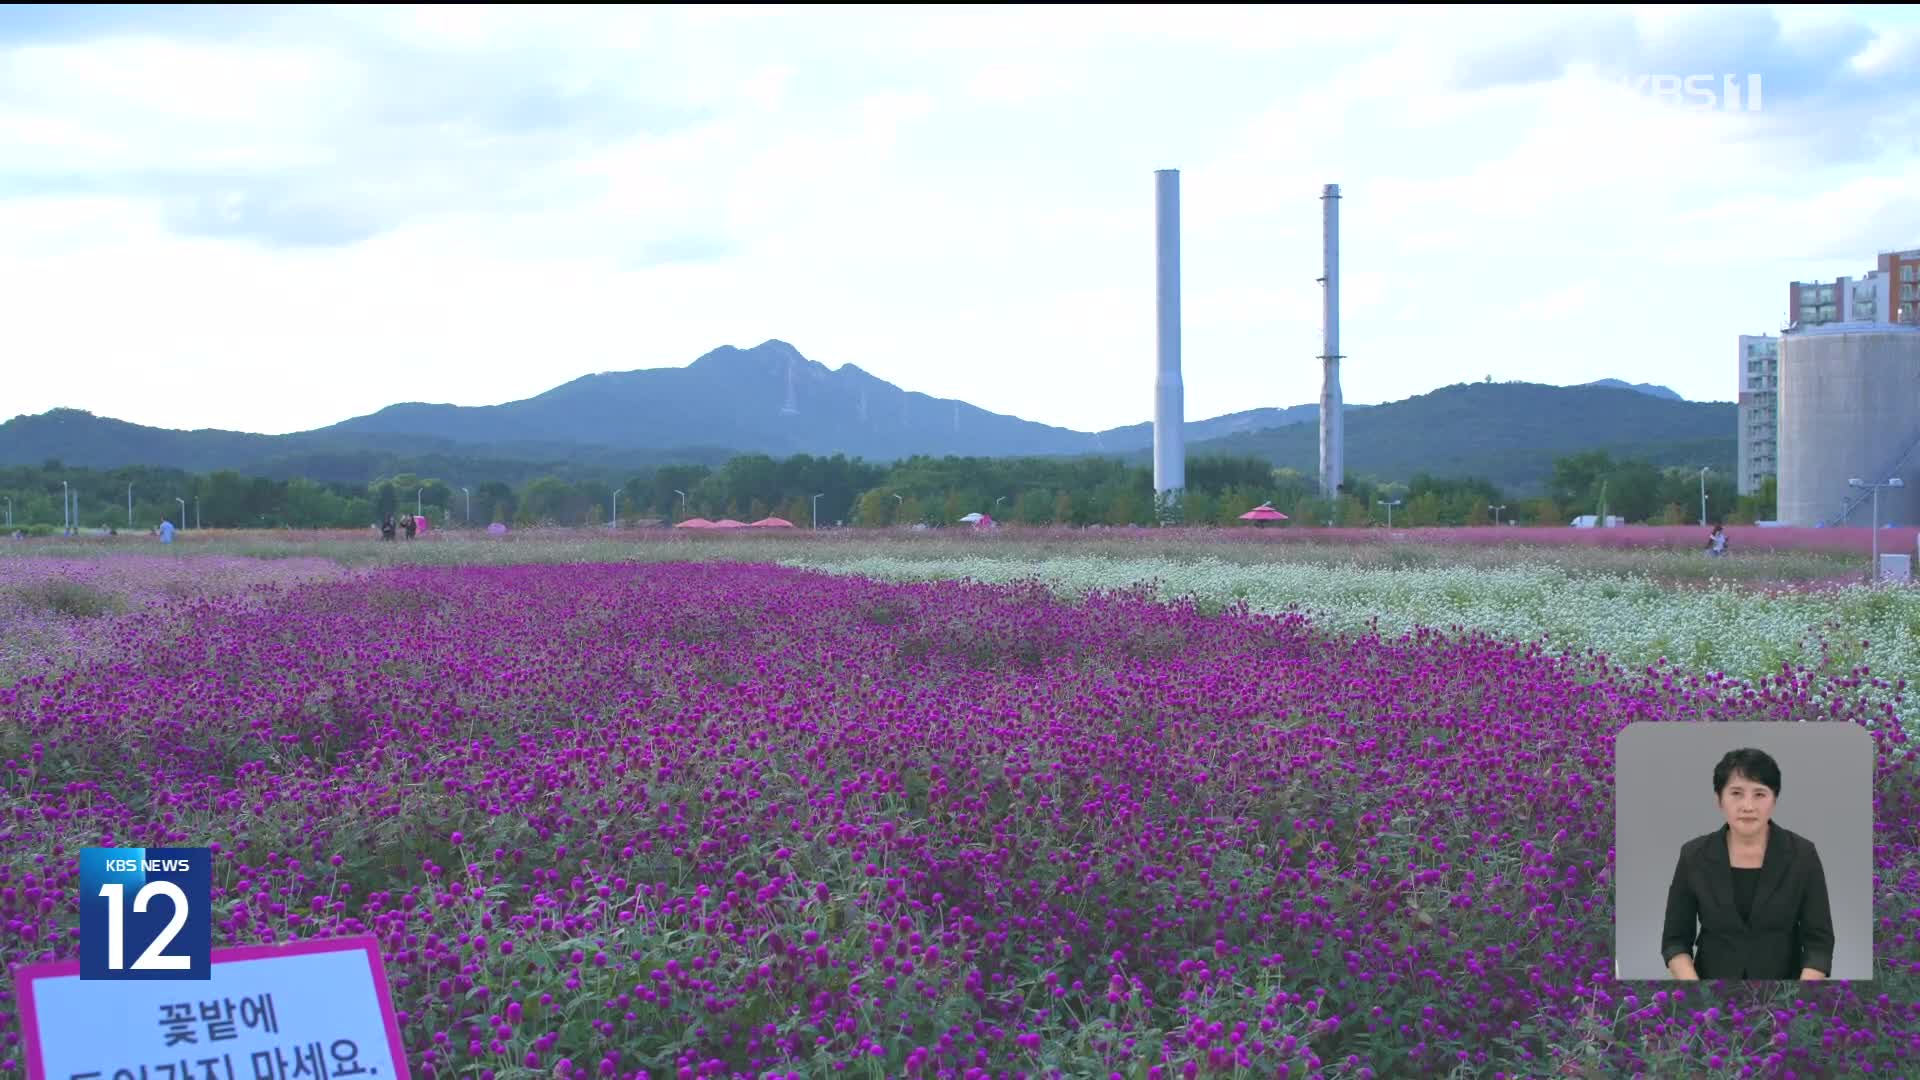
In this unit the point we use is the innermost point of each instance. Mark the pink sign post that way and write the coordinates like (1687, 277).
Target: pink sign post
(321, 1008)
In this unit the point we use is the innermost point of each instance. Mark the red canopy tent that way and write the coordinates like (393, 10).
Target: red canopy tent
(1263, 512)
(695, 523)
(773, 523)
(729, 523)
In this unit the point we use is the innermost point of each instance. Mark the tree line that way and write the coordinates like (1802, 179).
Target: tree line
(842, 491)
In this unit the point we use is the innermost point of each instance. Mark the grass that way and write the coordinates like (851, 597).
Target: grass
(1661, 554)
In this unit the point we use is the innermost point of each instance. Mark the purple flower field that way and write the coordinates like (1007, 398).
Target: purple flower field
(681, 820)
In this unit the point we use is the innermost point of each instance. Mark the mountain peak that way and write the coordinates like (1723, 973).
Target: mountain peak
(1650, 389)
(770, 352)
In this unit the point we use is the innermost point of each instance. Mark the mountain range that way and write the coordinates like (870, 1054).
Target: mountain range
(771, 399)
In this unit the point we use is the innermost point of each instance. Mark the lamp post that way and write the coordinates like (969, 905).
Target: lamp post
(683, 503)
(183, 511)
(1389, 504)
(1495, 510)
(1873, 575)
(416, 501)
(616, 510)
(816, 511)
(129, 507)
(1703, 495)
(898, 502)
(196, 513)
(9, 511)
(469, 496)
(66, 509)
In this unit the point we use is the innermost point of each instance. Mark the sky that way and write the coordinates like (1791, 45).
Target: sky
(272, 219)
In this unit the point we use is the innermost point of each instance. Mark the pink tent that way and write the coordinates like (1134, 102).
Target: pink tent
(729, 523)
(695, 523)
(985, 522)
(1263, 512)
(496, 529)
(420, 524)
(773, 523)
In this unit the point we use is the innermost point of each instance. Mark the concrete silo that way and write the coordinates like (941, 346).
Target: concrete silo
(1849, 409)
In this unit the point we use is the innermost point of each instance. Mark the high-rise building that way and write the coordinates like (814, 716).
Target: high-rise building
(1868, 299)
(1902, 271)
(1759, 438)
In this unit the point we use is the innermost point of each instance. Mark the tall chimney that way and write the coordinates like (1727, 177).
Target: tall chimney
(1333, 451)
(1169, 394)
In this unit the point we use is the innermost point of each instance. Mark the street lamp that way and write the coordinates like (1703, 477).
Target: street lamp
(9, 511)
(1389, 504)
(196, 513)
(616, 509)
(1703, 495)
(816, 510)
(1495, 511)
(183, 511)
(469, 496)
(416, 502)
(1891, 482)
(683, 503)
(66, 510)
(129, 507)
(998, 501)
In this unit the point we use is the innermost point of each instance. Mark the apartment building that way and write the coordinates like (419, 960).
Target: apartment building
(1759, 437)
(1890, 293)
(1902, 271)
(1846, 299)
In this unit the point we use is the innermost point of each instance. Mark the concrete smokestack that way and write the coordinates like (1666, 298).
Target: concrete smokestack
(1333, 450)
(1169, 394)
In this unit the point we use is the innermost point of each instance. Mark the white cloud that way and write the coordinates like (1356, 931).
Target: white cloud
(322, 211)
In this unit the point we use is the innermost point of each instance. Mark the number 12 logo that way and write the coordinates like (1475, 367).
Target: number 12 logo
(169, 925)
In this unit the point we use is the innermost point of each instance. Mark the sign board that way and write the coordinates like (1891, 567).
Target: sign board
(1896, 568)
(311, 1010)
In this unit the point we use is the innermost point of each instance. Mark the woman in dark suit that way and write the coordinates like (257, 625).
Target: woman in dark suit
(1755, 890)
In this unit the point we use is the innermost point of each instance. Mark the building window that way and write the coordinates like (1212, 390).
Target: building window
(1906, 292)
(1906, 273)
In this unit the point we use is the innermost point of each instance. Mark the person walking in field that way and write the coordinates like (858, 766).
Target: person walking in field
(411, 526)
(386, 528)
(166, 532)
(1717, 543)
